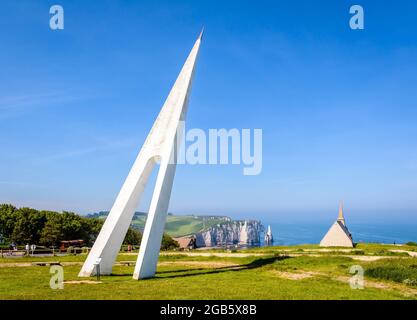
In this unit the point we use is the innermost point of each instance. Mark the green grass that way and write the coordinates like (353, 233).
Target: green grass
(375, 247)
(398, 270)
(199, 277)
(254, 281)
(359, 249)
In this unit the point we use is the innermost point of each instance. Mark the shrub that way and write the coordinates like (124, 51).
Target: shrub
(168, 243)
(410, 282)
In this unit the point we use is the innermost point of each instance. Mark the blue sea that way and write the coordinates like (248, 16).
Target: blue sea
(311, 233)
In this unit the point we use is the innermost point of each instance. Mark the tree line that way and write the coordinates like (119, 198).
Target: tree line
(48, 228)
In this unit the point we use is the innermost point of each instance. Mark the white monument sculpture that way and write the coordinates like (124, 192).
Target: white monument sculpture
(159, 147)
(338, 234)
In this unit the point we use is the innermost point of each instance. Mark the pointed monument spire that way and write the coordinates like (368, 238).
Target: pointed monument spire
(200, 37)
(341, 217)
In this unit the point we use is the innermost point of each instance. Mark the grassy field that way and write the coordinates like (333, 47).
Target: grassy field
(301, 272)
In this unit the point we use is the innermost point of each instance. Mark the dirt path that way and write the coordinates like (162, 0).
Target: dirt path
(29, 264)
(212, 254)
(215, 254)
(209, 264)
(411, 253)
(206, 264)
(289, 254)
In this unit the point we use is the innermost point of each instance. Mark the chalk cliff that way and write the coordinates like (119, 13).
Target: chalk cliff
(232, 232)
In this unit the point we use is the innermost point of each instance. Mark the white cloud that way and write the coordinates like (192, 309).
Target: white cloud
(18, 105)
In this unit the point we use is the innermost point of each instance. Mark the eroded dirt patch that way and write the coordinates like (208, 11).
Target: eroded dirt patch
(295, 275)
(82, 282)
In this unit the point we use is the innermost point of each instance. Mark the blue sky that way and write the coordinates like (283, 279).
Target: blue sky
(338, 107)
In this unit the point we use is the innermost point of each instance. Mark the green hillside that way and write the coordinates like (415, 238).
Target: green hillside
(176, 225)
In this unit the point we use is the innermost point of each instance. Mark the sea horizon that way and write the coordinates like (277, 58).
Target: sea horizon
(290, 229)
(297, 233)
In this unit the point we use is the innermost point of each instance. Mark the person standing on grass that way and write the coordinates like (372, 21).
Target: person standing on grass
(33, 247)
(27, 248)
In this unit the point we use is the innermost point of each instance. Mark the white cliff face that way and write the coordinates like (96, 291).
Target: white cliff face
(244, 234)
(269, 239)
(233, 232)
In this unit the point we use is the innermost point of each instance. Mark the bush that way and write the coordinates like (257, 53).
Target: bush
(168, 243)
(410, 282)
(133, 237)
(411, 243)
